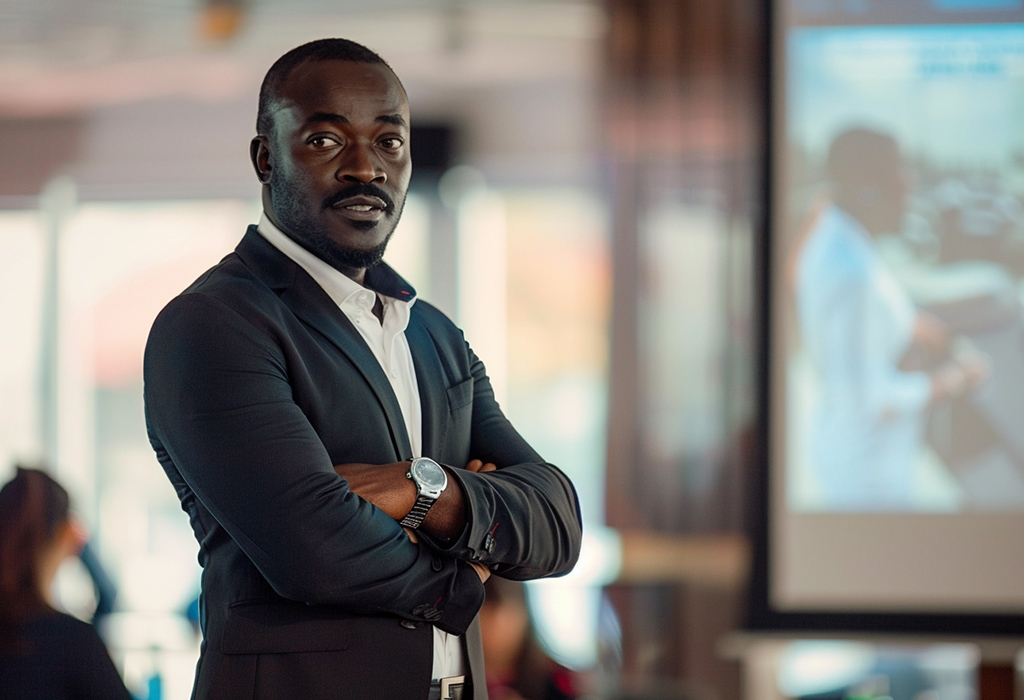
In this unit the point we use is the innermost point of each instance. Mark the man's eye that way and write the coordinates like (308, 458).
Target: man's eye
(322, 142)
(391, 144)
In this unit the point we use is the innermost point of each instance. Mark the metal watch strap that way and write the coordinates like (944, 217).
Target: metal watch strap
(414, 518)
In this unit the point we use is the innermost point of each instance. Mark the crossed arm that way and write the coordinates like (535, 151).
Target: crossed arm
(387, 487)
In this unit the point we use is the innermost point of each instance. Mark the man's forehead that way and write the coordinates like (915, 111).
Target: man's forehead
(313, 81)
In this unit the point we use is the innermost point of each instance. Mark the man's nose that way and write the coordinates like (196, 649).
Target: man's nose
(360, 164)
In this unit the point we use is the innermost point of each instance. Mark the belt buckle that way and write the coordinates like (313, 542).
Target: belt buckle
(452, 686)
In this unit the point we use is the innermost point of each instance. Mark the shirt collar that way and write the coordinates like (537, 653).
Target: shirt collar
(380, 278)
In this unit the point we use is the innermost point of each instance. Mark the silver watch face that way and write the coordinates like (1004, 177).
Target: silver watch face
(428, 474)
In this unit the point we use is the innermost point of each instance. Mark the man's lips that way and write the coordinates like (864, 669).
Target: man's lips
(361, 208)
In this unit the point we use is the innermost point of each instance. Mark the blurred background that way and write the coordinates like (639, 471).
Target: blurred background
(587, 178)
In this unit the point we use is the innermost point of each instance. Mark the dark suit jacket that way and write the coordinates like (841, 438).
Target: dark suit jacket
(256, 384)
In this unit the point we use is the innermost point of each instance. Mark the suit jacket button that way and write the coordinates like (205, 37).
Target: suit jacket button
(409, 624)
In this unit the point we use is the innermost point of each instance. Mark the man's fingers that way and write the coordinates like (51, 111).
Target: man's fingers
(413, 537)
(481, 570)
(476, 465)
(488, 467)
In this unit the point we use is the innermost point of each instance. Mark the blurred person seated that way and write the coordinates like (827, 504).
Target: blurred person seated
(516, 665)
(44, 654)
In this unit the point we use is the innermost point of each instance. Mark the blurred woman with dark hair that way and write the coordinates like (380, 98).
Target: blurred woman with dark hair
(517, 666)
(44, 654)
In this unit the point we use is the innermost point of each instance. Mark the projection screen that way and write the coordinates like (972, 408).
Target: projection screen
(894, 342)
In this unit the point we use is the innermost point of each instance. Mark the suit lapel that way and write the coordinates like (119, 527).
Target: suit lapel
(432, 389)
(328, 319)
(475, 653)
(310, 303)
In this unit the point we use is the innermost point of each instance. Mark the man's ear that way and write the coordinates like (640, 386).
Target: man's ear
(259, 154)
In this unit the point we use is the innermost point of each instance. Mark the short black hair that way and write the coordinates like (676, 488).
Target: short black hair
(857, 155)
(319, 50)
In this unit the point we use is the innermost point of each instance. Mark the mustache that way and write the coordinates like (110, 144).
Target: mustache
(368, 189)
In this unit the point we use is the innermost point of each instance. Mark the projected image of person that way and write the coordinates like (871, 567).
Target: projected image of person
(880, 361)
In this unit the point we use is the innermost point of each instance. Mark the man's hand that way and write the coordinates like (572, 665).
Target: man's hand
(481, 570)
(931, 333)
(966, 371)
(976, 365)
(476, 465)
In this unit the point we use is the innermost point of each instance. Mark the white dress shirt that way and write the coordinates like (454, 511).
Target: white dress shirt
(386, 338)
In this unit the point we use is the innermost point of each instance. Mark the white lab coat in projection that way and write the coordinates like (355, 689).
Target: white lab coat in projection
(857, 324)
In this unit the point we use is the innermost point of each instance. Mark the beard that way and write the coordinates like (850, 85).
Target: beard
(298, 223)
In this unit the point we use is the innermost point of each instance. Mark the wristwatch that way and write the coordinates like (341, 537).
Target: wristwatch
(430, 480)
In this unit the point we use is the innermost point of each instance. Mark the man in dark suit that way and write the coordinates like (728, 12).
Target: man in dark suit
(288, 388)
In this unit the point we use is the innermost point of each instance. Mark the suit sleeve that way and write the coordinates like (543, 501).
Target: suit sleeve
(523, 520)
(220, 410)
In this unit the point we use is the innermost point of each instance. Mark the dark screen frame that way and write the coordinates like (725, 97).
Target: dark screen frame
(761, 615)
